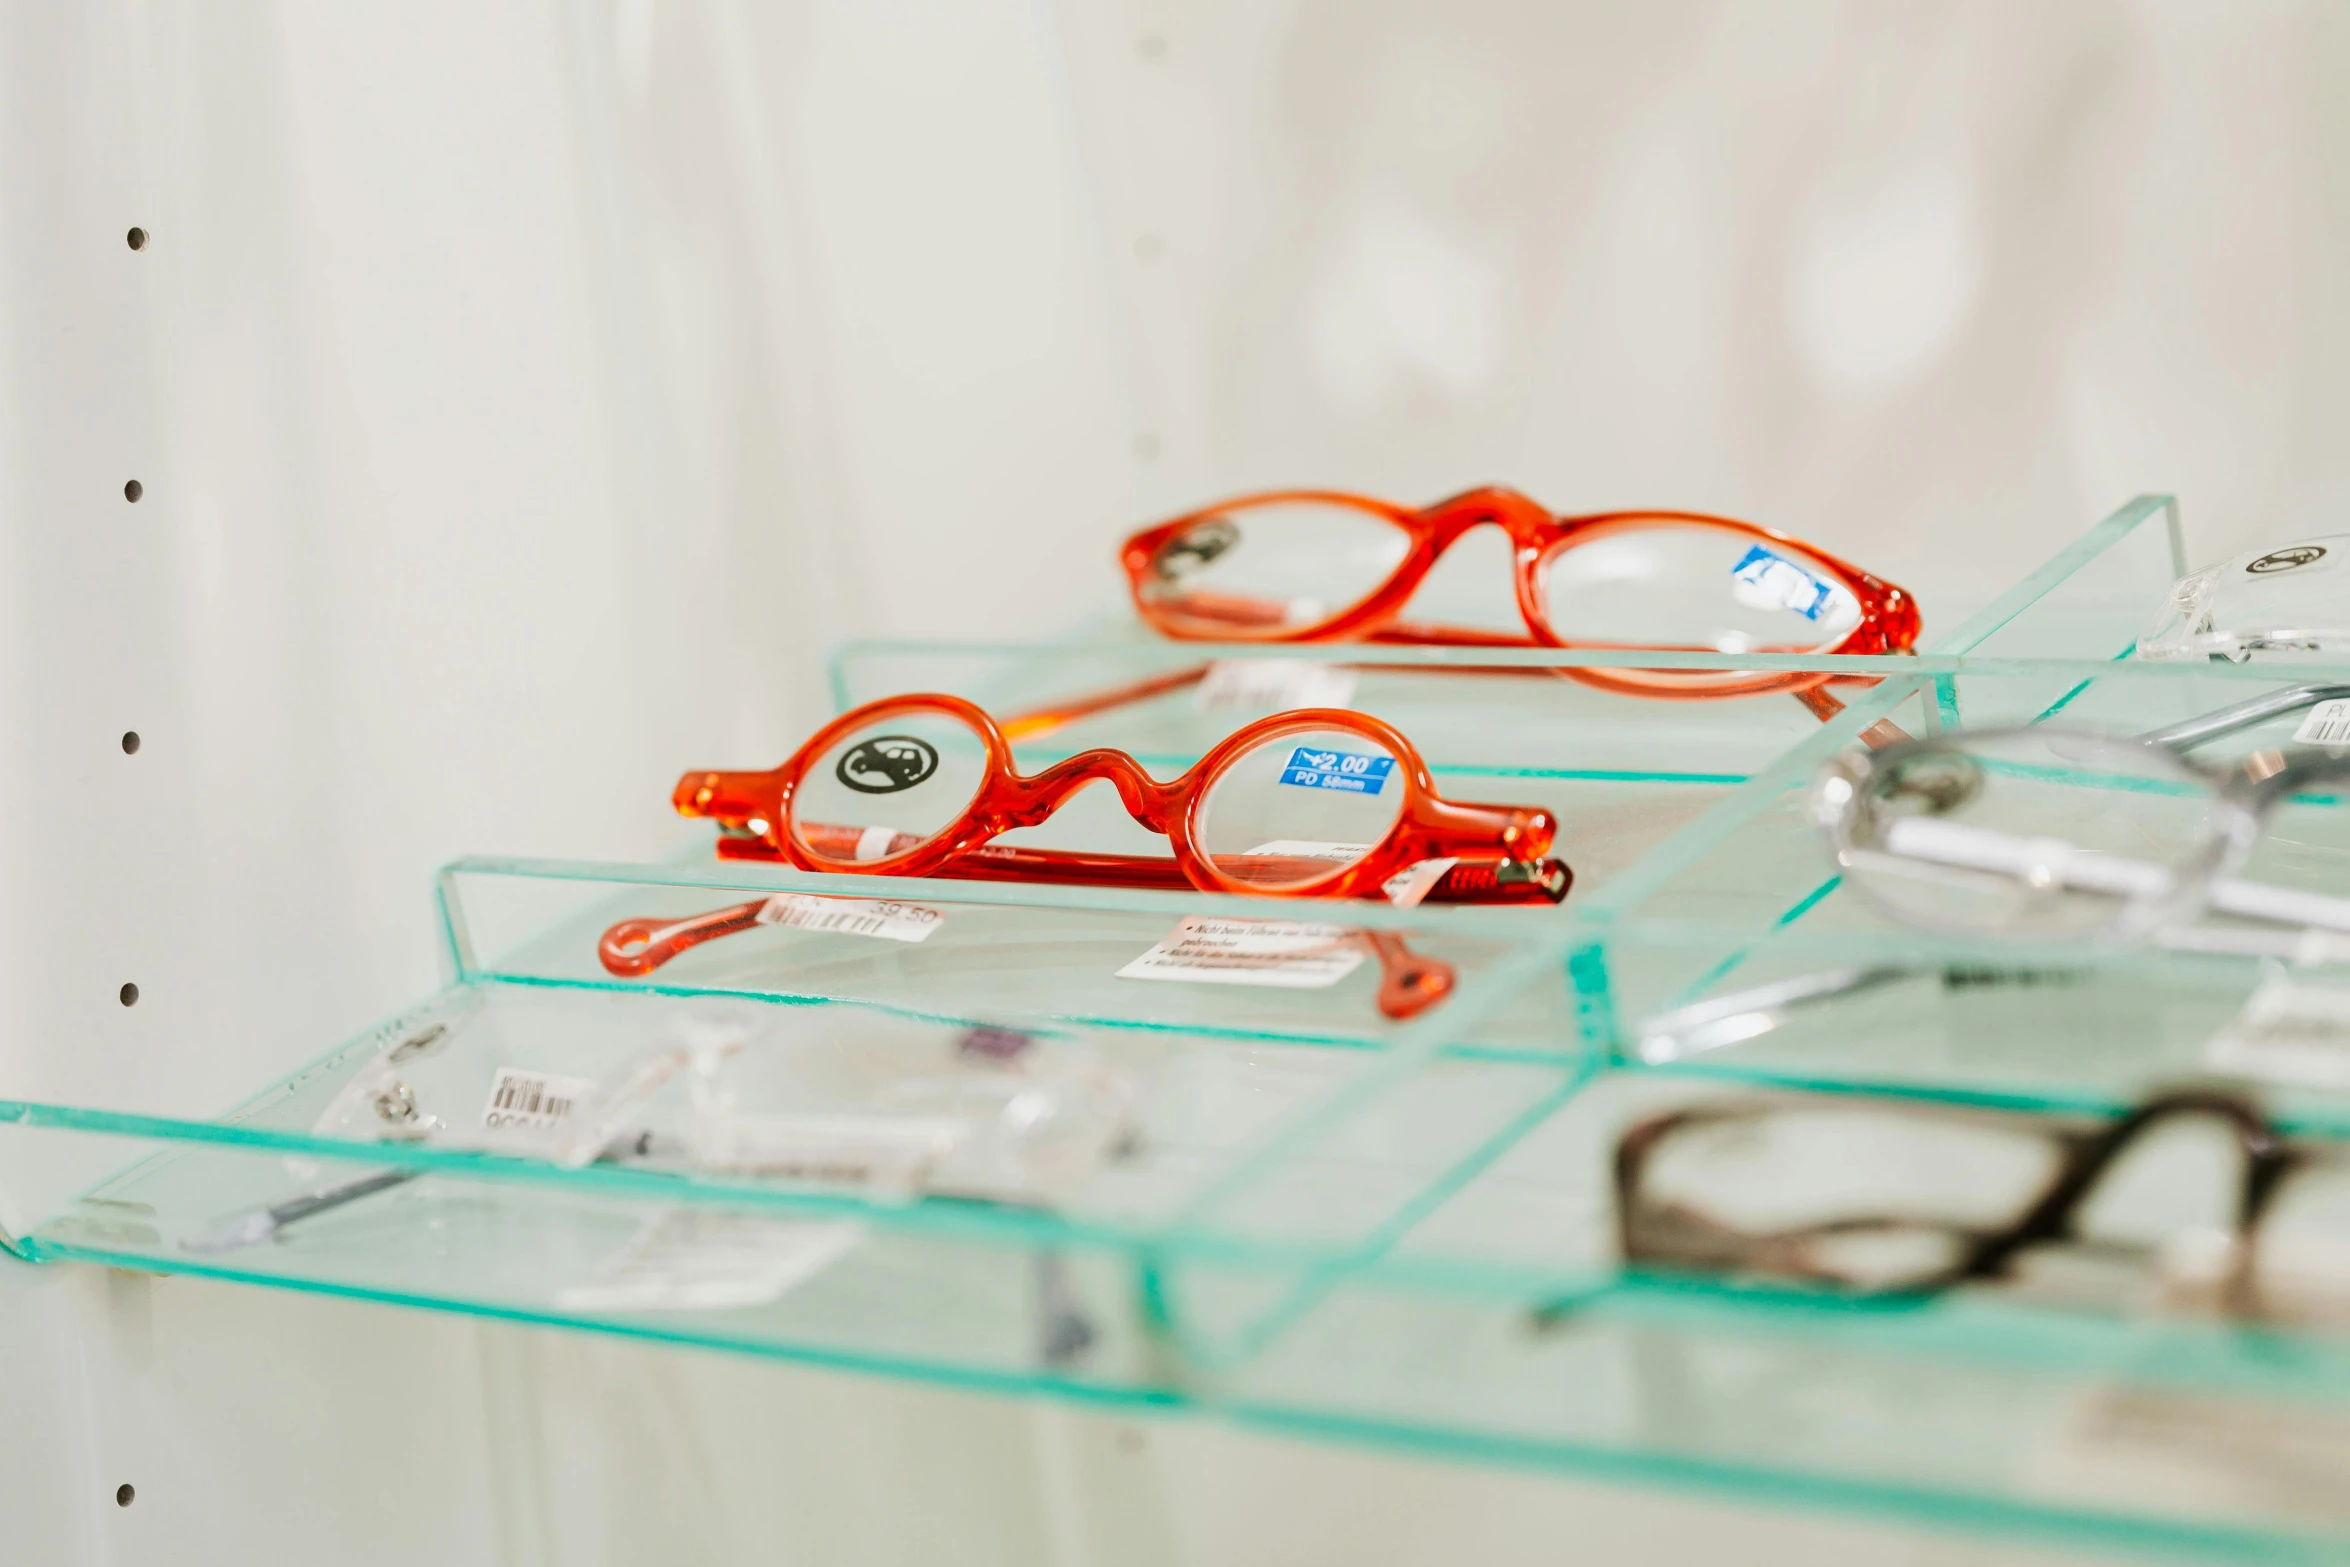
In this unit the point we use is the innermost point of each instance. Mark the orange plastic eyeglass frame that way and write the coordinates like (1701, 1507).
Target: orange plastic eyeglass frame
(1888, 614)
(1502, 847)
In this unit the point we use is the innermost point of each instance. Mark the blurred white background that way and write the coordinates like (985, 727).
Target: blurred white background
(527, 396)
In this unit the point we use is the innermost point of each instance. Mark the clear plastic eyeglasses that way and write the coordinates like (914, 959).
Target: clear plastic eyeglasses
(2292, 599)
(1883, 1196)
(2056, 833)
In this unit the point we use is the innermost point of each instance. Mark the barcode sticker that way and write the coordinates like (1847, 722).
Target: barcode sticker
(2290, 1033)
(1274, 684)
(882, 918)
(690, 1260)
(1287, 953)
(2328, 723)
(1765, 580)
(532, 1101)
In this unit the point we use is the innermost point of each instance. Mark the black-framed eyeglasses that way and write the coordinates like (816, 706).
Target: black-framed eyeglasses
(2192, 1196)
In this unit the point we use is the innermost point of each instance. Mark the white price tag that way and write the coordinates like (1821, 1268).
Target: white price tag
(1209, 951)
(2288, 1032)
(882, 918)
(2328, 723)
(532, 1101)
(690, 1260)
(1408, 886)
(1276, 684)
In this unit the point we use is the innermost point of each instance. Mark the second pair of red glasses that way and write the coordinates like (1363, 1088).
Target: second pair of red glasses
(1327, 566)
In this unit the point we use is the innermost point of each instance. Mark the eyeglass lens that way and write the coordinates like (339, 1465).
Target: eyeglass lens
(1297, 807)
(1272, 567)
(889, 786)
(1669, 583)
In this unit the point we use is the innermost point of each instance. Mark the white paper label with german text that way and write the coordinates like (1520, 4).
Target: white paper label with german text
(882, 918)
(1276, 684)
(2328, 723)
(532, 1101)
(1204, 950)
(690, 1259)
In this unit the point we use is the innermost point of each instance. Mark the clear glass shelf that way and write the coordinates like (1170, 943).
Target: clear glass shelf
(1322, 1221)
(1317, 1217)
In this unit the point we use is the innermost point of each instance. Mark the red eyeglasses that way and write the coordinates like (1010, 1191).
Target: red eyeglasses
(1314, 803)
(1323, 566)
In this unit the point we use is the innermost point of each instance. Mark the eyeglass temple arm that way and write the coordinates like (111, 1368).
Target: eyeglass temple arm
(1824, 705)
(635, 947)
(733, 798)
(2192, 732)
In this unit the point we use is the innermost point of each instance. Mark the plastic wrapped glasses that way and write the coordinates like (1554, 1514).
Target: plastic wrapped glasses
(889, 1107)
(2291, 599)
(2192, 1199)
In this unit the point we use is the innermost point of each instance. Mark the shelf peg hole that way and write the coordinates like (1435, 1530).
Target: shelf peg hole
(130, 742)
(129, 994)
(125, 1494)
(132, 491)
(138, 241)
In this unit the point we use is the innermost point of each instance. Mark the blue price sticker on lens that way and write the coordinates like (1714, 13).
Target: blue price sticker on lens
(1347, 771)
(1769, 581)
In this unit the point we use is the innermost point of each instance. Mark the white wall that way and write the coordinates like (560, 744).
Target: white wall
(525, 396)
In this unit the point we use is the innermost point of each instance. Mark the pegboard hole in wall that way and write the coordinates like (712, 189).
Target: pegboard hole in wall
(130, 995)
(125, 1494)
(130, 742)
(137, 238)
(132, 491)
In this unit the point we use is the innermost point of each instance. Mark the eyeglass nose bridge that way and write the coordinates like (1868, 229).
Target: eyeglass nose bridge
(1151, 803)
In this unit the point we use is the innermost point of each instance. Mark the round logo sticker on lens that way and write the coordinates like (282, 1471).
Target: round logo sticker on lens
(2287, 559)
(886, 764)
